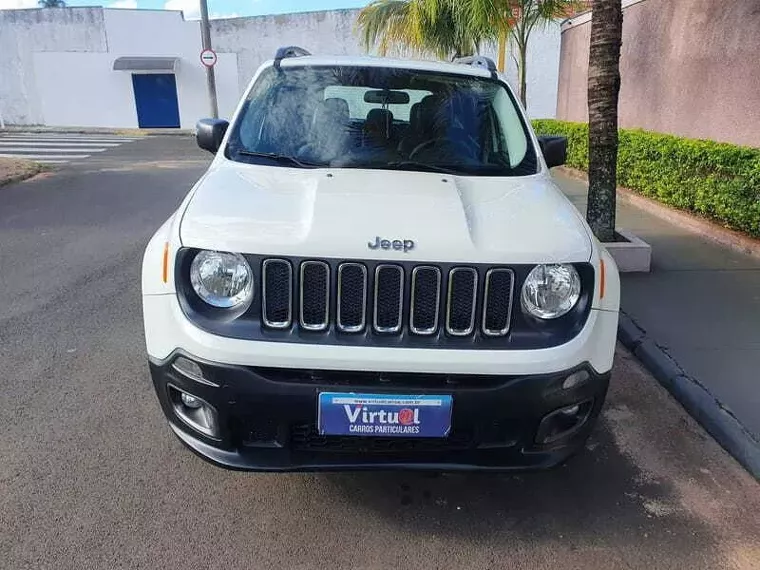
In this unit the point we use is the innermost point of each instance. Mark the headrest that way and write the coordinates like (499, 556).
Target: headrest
(378, 120)
(332, 110)
(415, 113)
(433, 110)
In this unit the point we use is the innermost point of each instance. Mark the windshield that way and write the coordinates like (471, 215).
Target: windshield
(367, 117)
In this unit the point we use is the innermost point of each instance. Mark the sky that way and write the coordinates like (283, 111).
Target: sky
(217, 8)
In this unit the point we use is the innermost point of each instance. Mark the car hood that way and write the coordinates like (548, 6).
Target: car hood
(340, 212)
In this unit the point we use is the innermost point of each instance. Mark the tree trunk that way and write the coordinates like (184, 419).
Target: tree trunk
(603, 89)
(522, 75)
(502, 55)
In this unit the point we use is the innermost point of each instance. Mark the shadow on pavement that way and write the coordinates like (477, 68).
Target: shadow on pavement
(596, 494)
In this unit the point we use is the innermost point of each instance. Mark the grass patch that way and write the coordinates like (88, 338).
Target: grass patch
(16, 169)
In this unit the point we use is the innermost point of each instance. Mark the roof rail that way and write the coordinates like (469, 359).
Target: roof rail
(478, 61)
(288, 51)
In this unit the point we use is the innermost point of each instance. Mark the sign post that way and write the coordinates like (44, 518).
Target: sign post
(210, 78)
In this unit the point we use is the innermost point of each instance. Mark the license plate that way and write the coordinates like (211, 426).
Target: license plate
(383, 415)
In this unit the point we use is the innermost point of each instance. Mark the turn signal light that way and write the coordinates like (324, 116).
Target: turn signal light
(165, 271)
(575, 379)
(191, 370)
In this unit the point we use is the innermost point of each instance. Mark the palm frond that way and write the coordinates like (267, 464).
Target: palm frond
(386, 22)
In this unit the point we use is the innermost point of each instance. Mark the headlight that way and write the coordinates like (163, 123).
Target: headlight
(550, 291)
(222, 279)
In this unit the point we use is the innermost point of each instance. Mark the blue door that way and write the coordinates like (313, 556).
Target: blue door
(156, 100)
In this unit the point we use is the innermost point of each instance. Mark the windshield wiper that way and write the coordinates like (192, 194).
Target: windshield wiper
(282, 158)
(412, 164)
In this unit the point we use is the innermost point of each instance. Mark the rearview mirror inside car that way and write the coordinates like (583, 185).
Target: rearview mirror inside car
(554, 149)
(209, 133)
(386, 97)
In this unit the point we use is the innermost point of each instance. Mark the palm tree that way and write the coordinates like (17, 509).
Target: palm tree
(459, 27)
(52, 4)
(527, 16)
(423, 26)
(603, 89)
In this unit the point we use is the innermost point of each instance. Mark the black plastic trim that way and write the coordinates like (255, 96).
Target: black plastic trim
(494, 419)
(525, 332)
(288, 52)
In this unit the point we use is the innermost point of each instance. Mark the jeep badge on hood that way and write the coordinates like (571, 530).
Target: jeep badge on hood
(405, 245)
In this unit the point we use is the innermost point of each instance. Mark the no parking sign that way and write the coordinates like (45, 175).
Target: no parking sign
(208, 57)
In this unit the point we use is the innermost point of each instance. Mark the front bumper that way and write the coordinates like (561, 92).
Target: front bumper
(267, 418)
(168, 330)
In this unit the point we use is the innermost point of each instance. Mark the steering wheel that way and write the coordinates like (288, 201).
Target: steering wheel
(457, 146)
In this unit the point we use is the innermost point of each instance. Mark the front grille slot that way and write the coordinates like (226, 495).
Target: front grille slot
(277, 293)
(315, 295)
(389, 294)
(497, 302)
(352, 297)
(460, 306)
(425, 300)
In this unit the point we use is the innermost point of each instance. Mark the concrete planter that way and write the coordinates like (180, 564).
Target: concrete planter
(632, 255)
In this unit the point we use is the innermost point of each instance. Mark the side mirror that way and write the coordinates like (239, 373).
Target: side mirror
(209, 133)
(554, 149)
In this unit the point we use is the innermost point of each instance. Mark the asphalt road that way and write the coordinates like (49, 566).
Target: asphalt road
(91, 477)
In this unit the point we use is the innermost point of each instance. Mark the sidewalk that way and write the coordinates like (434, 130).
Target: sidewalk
(701, 305)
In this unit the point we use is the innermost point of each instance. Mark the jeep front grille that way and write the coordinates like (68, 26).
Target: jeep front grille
(460, 306)
(425, 300)
(497, 302)
(315, 295)
(389, 298)
(277, 293)
(352, 297)
(386, 298)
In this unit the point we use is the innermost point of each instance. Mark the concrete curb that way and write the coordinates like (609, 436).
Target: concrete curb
(714, 417)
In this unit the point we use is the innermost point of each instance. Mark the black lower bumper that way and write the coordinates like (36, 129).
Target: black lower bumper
(266, 418)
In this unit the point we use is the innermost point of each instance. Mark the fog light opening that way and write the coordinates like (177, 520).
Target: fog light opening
(195, 412)
(191, 401)
(563, 423)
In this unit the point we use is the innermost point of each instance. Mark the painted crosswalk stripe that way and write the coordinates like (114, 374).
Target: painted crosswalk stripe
(24, 149)
(96, 137)
(66, 140)
(44, 157)
(57, 148)
(5, 142)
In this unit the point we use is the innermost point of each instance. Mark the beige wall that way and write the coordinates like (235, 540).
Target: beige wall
(688, 67)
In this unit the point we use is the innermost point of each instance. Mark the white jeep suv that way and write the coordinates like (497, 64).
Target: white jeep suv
(377, 271)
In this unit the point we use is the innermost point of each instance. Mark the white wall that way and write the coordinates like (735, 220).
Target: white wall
(193, 92)
(256, 40)
(81, 89)
(165, 33)
(24, 32)
(543, 70)
(56, 67)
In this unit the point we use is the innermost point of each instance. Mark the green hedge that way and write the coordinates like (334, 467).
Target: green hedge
(717, 180)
